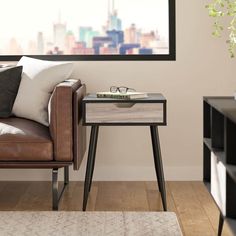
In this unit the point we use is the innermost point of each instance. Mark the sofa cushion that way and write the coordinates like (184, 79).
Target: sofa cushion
(24, 140)
(39, 79)
(9, 84)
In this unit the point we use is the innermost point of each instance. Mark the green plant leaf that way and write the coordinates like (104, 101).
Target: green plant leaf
(219, 9)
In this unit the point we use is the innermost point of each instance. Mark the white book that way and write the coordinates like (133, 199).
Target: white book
(117, 95)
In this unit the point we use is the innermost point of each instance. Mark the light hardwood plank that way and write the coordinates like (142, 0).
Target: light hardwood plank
(11, 193)
(155, 203)
(37, 197)
(209, 207)
(122, 196)
(154, 197)
(73, 197)
(193, 217)
(2, 185)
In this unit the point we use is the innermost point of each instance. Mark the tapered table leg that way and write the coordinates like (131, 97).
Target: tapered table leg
(221, 224)
(94, 155)
(158, 164)
(90, 164)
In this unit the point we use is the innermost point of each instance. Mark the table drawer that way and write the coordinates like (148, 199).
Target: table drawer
(112, 113)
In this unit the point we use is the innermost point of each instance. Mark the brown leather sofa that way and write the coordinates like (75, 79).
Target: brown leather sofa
(28, 144)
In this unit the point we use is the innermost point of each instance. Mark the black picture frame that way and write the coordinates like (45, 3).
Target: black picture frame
(155, 57)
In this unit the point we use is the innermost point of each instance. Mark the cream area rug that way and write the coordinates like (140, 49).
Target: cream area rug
(63, 223)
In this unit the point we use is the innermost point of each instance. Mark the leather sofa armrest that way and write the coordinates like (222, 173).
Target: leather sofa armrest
(61, 112)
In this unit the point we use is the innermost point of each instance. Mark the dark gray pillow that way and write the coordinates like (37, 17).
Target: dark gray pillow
(9, 84)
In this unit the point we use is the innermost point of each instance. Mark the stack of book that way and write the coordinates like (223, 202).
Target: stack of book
(118, 95)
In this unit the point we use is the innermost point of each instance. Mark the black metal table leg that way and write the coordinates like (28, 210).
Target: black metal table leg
(221, 224)
(90, 164)
(158, 164)
(94, 154)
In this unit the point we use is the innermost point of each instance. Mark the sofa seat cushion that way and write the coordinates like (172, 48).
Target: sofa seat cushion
(24, 140)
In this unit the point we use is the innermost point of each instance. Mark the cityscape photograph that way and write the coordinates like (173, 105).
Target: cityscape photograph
(87, 27)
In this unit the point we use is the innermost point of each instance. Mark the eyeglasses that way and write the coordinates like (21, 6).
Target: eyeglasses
(122, 89)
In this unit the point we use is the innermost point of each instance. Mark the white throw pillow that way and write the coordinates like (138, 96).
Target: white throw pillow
(39, 79)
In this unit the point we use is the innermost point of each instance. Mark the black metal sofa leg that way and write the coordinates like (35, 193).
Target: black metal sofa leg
(55, 189)
(66, 175)
(56, 195)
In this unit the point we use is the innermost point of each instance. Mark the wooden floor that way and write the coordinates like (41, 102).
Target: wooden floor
(196, 211)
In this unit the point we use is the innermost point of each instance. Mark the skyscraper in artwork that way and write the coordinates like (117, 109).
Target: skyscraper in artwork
(70, 42)
(86, 35)
(114, 22)
(131, 34)
(14, 47)
(40, 43)
(59, 33)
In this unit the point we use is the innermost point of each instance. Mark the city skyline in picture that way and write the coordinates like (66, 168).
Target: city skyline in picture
(85, 27)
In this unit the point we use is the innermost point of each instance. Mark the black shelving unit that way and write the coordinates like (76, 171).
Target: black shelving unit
(219, 156)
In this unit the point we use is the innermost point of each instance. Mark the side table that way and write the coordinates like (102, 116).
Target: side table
(149, 111)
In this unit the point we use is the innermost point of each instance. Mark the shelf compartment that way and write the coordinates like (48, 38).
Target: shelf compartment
(207, 164)
(230, 141)
(219, 179)
(217, 129)
(231, 169)
(230, 197)
(208, 143)
(207, 120)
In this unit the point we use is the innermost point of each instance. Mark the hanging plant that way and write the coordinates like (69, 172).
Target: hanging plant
(219, 9)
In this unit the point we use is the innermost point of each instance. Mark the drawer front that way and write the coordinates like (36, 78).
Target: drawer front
(124, 113)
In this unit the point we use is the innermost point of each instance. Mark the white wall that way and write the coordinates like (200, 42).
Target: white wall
(202, 68)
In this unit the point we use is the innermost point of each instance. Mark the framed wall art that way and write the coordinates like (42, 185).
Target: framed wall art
(88, 30)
